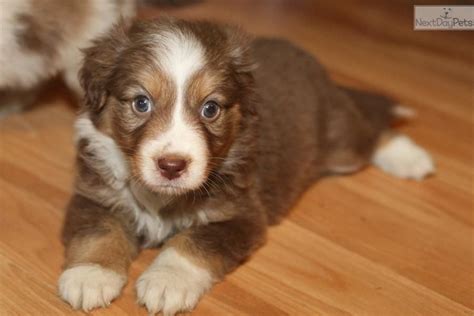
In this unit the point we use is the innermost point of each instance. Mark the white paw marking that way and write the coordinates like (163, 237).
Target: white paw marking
(90, 286)
(172, 284)
(403, 158)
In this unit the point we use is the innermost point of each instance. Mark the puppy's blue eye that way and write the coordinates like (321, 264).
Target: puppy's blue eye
(210, 110)
(142, 104)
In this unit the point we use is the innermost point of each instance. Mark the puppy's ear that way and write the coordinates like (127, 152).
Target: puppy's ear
(239, 49)
(98, 66)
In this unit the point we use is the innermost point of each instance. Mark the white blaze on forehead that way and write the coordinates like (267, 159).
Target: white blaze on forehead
(179, 56)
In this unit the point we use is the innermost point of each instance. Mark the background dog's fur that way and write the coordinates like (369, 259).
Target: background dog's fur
(285, 124)
(40, 39)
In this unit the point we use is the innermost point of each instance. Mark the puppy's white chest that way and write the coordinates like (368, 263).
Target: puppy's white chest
(153, 226)
(149, 224)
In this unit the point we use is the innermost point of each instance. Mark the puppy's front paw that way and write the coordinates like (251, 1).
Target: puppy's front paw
(172, 284)
(403, 158)
(90, 286)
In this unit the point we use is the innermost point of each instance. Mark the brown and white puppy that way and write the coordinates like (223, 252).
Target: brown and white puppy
(194, 138)
(42, 38)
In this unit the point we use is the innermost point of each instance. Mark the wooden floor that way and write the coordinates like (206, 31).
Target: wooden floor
(367, 244)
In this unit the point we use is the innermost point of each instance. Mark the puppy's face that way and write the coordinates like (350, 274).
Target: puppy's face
(171, 96)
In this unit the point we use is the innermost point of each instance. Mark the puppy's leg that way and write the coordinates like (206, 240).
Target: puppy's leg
(394, 153)
(193, 260)
(99, 250)
(359, 133)
(398, 155)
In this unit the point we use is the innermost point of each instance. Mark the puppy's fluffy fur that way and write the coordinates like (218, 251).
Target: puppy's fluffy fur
(276, 124)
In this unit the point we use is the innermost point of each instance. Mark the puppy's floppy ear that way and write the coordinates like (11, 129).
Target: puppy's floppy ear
(98, 65)
(239, 49)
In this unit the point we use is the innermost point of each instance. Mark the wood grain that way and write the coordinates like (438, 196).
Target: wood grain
(367, 244)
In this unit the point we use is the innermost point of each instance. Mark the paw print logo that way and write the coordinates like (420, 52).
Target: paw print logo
(446, 12)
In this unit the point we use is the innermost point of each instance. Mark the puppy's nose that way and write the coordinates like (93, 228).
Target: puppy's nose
(171, 167)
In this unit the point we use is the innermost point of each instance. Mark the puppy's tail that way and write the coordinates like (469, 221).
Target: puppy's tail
(380, 110)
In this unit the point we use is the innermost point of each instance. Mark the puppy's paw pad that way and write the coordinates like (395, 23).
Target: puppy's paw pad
(90, 286)
(172, 288)
(403, 158)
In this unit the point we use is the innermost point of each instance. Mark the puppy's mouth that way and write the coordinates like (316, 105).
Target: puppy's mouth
(169, 189)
